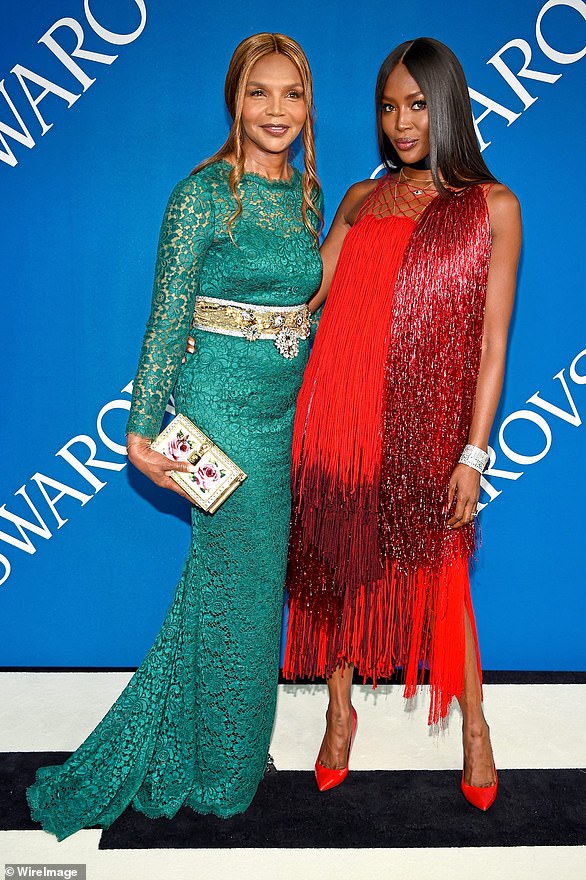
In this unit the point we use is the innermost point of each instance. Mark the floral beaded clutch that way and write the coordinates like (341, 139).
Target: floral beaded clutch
(216, 475)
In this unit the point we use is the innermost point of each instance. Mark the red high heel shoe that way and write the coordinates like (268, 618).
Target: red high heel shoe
(328, 777)
(482, 797)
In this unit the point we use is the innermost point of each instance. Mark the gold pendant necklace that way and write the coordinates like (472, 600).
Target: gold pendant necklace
(419, 190)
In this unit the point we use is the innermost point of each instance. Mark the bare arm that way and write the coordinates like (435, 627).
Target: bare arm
(505, 221)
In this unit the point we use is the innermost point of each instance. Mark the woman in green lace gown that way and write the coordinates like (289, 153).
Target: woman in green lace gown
(193, 725)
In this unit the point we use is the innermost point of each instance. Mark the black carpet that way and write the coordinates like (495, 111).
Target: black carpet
(422, 808)
(17, 772)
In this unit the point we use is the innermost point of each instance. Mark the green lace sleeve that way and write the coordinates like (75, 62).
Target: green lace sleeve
(187, 232)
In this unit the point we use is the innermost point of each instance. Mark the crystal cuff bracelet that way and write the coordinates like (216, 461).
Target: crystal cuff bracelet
(474, 457)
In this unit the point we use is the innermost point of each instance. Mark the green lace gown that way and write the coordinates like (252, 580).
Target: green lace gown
(193, 725)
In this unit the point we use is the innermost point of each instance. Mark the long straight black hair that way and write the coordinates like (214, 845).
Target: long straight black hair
(453, 146)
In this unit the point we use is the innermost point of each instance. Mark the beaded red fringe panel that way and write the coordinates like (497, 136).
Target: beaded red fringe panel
(430, 377)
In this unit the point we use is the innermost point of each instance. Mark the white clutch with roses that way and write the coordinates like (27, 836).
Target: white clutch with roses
(216, 475)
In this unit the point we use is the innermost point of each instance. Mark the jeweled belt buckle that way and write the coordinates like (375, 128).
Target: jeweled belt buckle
(287, 343)
(287, 339)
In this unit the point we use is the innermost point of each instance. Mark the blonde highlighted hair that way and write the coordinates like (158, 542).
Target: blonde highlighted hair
(245, 56)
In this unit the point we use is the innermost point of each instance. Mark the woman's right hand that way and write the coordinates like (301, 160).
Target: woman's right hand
(156, 466)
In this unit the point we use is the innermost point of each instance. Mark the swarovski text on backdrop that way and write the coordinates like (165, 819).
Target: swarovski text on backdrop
(24, 75)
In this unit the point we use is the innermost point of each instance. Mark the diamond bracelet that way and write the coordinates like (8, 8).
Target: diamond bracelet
(474, 457)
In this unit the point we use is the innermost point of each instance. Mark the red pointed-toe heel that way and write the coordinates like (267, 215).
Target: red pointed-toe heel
(328, 777)
(482, 797)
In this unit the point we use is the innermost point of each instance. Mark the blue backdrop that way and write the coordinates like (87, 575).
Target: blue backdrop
(93, 138)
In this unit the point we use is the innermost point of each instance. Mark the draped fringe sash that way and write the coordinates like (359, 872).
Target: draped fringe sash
(375, 578)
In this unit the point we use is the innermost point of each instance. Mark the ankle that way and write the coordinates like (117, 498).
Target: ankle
(338, 711)
(474, 728)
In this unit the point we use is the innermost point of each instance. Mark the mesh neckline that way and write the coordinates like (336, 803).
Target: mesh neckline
(252, 175)
(396, 198)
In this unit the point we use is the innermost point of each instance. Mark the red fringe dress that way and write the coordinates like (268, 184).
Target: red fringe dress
(351, 597)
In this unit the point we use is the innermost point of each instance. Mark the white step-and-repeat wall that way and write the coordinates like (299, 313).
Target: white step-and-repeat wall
(104, 104)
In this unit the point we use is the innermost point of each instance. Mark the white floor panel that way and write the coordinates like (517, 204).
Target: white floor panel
(54, 711)
(522, 863)
(532, 726)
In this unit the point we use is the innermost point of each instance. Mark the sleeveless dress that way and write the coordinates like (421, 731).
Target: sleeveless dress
(193, 725)
(336, 481)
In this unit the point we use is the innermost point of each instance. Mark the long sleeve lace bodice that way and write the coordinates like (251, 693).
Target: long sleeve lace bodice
(270, 262)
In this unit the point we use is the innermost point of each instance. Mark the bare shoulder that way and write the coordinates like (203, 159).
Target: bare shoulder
(355, 197)
(504, 208)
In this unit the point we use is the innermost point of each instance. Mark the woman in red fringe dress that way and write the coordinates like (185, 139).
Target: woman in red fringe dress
(394, 415)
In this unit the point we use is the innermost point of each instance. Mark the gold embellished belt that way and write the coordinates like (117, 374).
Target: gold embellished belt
(285, 324)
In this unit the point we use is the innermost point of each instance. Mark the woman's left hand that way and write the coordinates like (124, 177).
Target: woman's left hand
(465, 488)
